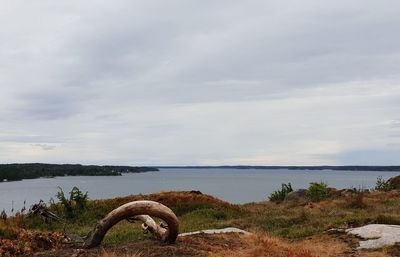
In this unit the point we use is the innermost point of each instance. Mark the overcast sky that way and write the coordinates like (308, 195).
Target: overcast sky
(200, 82)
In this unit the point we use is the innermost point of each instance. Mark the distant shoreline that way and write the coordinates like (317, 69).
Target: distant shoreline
(17, 172)
(323, 167)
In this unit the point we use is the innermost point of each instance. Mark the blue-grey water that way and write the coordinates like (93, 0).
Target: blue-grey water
(232, 185)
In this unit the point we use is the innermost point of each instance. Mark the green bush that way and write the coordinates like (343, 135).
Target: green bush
(3, 215)
(382, 184)
(76, 202)
(317, 191)
(279, 195)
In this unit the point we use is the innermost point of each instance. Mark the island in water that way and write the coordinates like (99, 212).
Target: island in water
(15, 172)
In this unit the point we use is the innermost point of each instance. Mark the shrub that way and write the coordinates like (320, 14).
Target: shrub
(279, 195)
(394, 183)
(76, 202)
(382, 184)
(317, 191)
(3, 216)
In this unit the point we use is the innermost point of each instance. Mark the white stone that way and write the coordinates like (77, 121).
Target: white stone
(216, 231)
(379, 235)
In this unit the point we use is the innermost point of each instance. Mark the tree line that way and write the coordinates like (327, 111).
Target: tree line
(14, 172)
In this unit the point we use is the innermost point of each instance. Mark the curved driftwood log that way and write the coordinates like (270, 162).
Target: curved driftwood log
(137, 210)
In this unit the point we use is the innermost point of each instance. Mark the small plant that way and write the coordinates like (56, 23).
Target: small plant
(3, 216)
(76, 202)
(382, 184)
(79, 198)
(279, 195)
(317, 191)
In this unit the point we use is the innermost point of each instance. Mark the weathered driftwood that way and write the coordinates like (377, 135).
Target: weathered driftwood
(158, 230)
(137, 210)
(216, 231)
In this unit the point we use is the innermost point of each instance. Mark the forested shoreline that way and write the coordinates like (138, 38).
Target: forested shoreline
(14, 172)
(324, 167)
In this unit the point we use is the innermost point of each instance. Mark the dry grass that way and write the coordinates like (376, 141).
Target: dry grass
(264, 246)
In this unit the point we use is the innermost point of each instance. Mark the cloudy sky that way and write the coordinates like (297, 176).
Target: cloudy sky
(200, 82)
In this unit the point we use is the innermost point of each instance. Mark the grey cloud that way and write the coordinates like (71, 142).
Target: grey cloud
(25, 138)
(178, 78)
(394, 123)
(151, 57)
(45, 147)
(46, 105)
(369, 156)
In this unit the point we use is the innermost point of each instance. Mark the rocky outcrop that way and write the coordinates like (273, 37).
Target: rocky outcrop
(394, 182)
(299, 194)
(377, 235)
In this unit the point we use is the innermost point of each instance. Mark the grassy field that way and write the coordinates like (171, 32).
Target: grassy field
(291, 222)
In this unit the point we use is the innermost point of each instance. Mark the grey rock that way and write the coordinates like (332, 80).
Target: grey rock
(394, 182)
(299, 194)
(378, 235)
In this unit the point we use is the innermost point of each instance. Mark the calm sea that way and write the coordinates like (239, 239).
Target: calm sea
(232, 185)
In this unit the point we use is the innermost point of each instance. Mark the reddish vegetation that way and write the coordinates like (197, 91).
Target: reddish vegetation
(170, 199)
(28, 242)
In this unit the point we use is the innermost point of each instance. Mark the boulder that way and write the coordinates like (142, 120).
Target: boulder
(299, 194)
(196, 192)
(346, 192)
(394, 182)
(333, 191)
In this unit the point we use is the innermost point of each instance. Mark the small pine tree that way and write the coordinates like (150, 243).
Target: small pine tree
(382, 184)
(317, 191)
(280, 195)
(76, 202)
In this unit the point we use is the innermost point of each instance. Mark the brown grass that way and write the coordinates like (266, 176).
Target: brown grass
(264, 246)
(327, 246)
